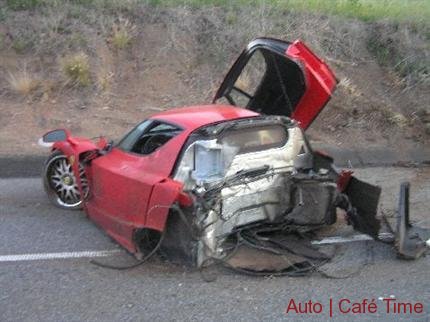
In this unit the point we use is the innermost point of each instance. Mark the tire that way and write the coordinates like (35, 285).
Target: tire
(60, 183)
(179, 245)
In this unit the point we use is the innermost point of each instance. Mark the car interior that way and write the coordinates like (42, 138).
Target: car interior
(148, 136)
(155, 137)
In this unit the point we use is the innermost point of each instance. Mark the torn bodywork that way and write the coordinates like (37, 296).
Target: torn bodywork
(257, 186)
(411, 242)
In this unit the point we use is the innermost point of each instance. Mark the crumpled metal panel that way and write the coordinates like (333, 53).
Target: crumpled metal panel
(411, 241)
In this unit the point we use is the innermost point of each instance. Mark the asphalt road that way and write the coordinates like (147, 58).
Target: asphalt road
(76, 290)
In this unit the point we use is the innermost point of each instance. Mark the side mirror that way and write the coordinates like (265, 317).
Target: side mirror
(55, 136)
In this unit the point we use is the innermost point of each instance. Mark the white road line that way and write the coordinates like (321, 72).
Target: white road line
(340, 239)
(63, 255)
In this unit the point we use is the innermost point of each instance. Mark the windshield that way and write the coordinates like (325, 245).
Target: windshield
(148, 136)
(131, 137)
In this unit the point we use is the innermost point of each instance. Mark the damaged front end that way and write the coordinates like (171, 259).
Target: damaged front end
(260, 195)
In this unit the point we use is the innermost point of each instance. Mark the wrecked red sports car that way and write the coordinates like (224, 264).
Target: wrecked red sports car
(213, 182)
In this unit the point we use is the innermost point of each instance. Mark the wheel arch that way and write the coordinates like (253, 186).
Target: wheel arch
(164, 196)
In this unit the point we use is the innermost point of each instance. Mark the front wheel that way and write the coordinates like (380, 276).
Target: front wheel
(60, 182)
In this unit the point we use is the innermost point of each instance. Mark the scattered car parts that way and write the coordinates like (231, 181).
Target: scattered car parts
(411, 242)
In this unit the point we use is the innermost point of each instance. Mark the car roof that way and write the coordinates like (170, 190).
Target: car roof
(194, 117)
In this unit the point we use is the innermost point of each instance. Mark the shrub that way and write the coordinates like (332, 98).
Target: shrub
(399, 119)
(22, 4)
(104, 79)
(22, 83)
(76, 67)
(21, 45)
(122, 34)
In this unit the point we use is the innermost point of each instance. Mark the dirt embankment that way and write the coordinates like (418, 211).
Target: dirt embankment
(98, 71)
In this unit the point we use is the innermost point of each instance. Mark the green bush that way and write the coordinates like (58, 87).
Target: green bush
(23, 4)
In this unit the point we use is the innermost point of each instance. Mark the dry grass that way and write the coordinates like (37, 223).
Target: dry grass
(206, 38)
(22, 82)
(104, 68)
(122, 34)
(399, 119)
(394, 118)
(76, 68)
(104, 79)
(350, 88)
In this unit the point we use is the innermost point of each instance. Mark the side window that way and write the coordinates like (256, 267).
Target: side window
(148, 137)
(268, 83)
(131, 137)
(248, 81)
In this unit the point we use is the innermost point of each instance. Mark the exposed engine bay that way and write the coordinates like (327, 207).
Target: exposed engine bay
(257, 185)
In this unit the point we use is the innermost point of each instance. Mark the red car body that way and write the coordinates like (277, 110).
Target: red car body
(129, 192)
(132, 192)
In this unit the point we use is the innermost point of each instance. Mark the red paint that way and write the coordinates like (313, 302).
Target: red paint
(164, 195)
(320, 83)
(343, 179)
(130, 191)
(194, 117)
